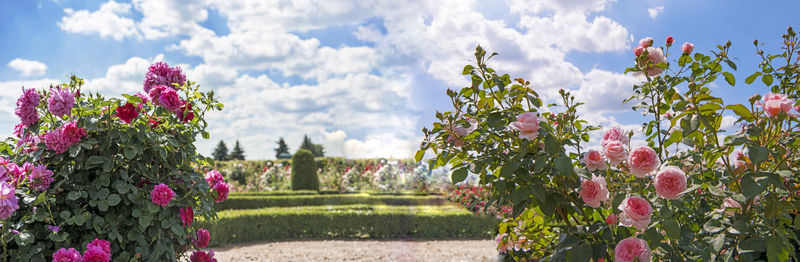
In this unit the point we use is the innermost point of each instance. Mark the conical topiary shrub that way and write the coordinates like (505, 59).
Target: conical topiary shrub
(304, 171)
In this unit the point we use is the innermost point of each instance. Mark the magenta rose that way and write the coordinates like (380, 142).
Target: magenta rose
(615, 152)
(67, 255)
(202, 256)
(127, 113)
(632, 249)
(96, 254)
(60, 101)
(202, 237)
(187, 216)
(593, 191)
(687, 48)
(102, 244)
(161, 195)
(527, 124)
(636, 212)
(8, 200)
(775, 104)
(170, 100)
(593, 160)
(670, 182)
(643, 161)
(222, 191)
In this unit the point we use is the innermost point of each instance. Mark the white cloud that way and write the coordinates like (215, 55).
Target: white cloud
(123, 78)
(28, 67)
(172, 17)
(653, 12)
(108, 21)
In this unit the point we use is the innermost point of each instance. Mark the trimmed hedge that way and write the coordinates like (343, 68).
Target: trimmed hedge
(349, 222)
(263, 201)
(304, 172)
(332, 192)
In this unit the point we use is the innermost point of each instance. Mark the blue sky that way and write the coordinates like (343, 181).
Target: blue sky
(363, 77)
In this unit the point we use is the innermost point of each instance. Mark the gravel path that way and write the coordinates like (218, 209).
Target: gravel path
(339, 250)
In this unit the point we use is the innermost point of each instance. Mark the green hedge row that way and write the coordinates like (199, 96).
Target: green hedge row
(331, 192)
(349, 222)
(263, 201)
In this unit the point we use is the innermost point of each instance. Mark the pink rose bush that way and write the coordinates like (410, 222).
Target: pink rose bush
(73, 175)
(594, 191)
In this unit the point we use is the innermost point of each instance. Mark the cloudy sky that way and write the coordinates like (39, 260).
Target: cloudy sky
(362, 77)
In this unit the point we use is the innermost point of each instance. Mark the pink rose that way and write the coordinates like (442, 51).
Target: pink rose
(615, 152)
(643, 161)
(528, 125)
(646, 42)
(638, 51)
(740, 159)
(632, 249)
(687, 48)
(636, 212)
(594, 191)
(612, 220)
(459, 132)
(593, 160)
(616, 133)
(727, 203)
(670, 182)
(774, 104)
(654, 56)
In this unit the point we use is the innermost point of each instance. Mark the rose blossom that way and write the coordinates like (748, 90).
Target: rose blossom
(96, 254)
(632, 249)
(687, 48)
(26, 106)
(213, 177)
(187, 216)
(60, 101)
(170, 100)
(593, 191)
(527, 124)
(612, 219)
(774, 104)
(670, 182)
(638, 50)
(740, 159)
(185, 113)
(616, 133)
(646, 42)
(41, 178)
(161, 195)
(615, 152)
(67, 255)
(727, 203)
(201, 256)
(670, 40)
(593, 160)
(654, 56)
(102, 244)
(160, 73)
(636, 212)
(643, 161)
(222, 191)
(202, 237)
(8, 200)
(127, 113)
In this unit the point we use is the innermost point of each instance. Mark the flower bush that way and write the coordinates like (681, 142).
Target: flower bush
(692, 191)
(118, 176)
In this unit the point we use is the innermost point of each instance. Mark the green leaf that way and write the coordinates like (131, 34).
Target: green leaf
(418, 156)
(74, 195)
(757, 154)
(767, 79)
(751, 188)
(113, 200)
(731, 64)
(129, 152)
(563, 165)
(740, 110)
(467, 70)
(509, 168)
(580, 253)
(750, 79)
(718, 241)
(729, 78)
(459, 175)
(776, 250)
(95, 160)
(672, 228)
(144, 221)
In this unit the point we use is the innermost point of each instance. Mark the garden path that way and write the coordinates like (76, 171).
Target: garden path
(366, 250)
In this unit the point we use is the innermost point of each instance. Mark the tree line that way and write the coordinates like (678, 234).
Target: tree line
(281, 151)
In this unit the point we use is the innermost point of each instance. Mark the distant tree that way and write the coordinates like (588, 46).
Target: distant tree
(316, 149)
(221, 152)
(282, 152)
(237, 153)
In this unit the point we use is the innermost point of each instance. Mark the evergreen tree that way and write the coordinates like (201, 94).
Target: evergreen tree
(221, 152)
(237, 153)
(318, 150)
(282, 149)
(307, 144)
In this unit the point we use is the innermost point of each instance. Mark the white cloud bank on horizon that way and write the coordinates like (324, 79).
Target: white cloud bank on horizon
(28, 67)
(359, 99)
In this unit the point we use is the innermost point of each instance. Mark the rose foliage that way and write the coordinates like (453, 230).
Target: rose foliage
(693, 191)
(114, 178)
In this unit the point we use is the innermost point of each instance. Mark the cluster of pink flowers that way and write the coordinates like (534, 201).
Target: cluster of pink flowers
(160, 73)
(26, 106)
(217, 183)
(654, 56)
(161, 195)
(777, 104)
(59, 140)
(527, 124)
(60, 101)
(96, 251)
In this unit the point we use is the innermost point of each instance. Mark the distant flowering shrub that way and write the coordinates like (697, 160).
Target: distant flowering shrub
(692, 190)
(120, 176)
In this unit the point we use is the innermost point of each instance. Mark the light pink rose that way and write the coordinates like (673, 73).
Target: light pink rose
(615, 152)
(594, 191)
(459, 132)
(687, 48)
(638, 50)
(528, 125)
(655, 56)
(774, 104)
(727, 203)
(670, 182)
(612, 220)
(646, 42)
(643, 161)
(616, 133)
(636, 212)
(593, 160)
(740, 159)
(632, 249)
